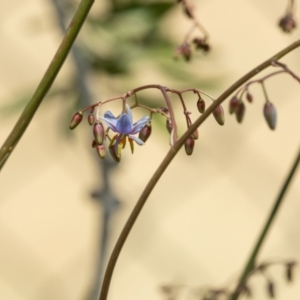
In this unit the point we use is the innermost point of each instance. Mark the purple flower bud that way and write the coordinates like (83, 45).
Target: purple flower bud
(196, 134)
(169, 126)
(289, 271)
(112, 151)
(270, 114)
(75, 121)
(201, 44)
(233, 104)
(185, 51)
(271, 289)
(288, 23)
(201, 105)
(145, 133)
(99, 133)
(164, 110)
(240, 112)
(189, 145)
(249, 97)
(101, 150)
(91, 119)
(219, 115)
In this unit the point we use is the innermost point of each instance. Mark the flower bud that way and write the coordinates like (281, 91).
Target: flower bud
(201, 105)
(145, 133)
(185, 51)
(169, 126)
(271, 289)
(99, 133)
(289, 271)
(164, 110)
(91, 119)
(189, 145)
(219, 115)
(249, 97)
(101, 150)
(112, 151)
(288, 23)
(94, 144)
(233, 104)
(75, 121)
(240, 112)
(270, 114)
(196, 134)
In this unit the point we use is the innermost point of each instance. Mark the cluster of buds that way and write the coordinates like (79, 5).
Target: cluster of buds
(124, 128)
(288, 23)
(175, 292)
(200, 43)
(264, 270)
(237, 105)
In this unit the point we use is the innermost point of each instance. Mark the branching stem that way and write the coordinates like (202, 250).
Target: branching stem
(170, 156)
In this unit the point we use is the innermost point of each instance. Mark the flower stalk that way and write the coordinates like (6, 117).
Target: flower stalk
(170, 156)
(46, 82)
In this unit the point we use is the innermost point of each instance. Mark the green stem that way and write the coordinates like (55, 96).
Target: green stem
(47, 81)
(169, 157)
(252, 259)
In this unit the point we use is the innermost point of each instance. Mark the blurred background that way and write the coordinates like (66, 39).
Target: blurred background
(62, 209)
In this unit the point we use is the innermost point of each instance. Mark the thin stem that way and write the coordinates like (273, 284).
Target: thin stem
(264, 91)
(170, 156)
(251, 261)
(46, 82)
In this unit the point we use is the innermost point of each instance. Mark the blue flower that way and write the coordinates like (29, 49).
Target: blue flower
(124, 126)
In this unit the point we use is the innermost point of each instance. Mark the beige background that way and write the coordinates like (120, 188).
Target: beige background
(206, 211)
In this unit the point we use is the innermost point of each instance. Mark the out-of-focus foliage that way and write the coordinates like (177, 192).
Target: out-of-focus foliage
(121, 44)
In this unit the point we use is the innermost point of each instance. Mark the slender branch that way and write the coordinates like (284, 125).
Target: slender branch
(46, 82)
(251, 262)
(169, 157)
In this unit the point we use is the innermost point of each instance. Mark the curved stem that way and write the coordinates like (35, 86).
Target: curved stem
(46, 82)
(251, 262)
(169, 157)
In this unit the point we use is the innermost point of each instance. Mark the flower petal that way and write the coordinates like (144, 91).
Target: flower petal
(110, 120)
(124, 124)
(138, 126)
(136, 139)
